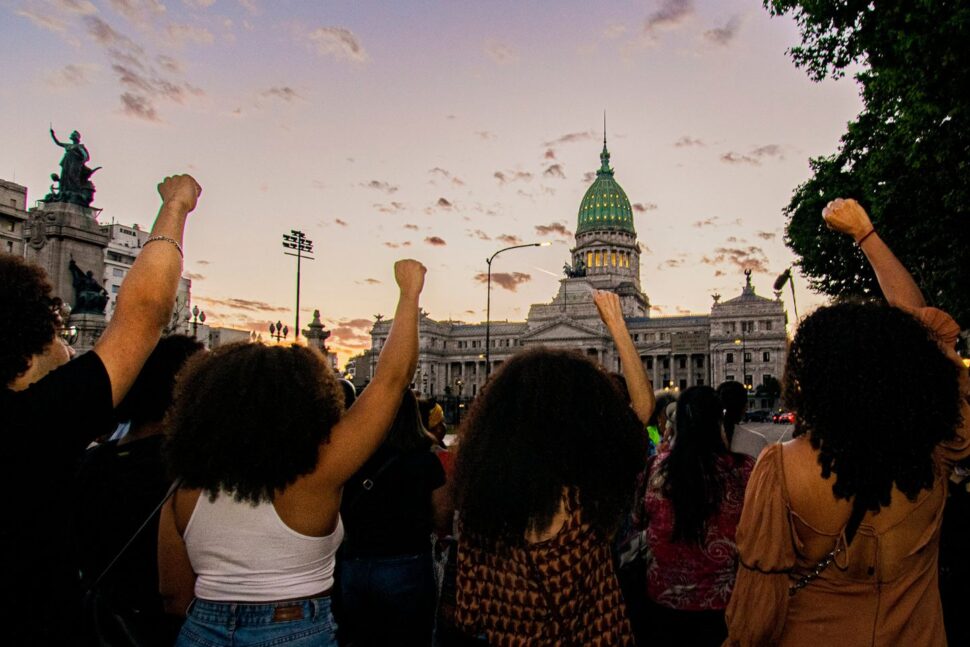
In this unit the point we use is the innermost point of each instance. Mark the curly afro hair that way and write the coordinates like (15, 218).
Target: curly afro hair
(27, 319)
(249, 419)
(547, 420)
(875, 394)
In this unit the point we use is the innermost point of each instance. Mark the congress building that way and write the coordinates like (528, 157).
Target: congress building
(742, 338)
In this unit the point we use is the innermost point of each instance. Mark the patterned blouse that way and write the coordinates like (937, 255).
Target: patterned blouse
(686, 575)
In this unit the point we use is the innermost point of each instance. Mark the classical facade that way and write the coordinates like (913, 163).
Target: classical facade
(742, 339)
(13, 215)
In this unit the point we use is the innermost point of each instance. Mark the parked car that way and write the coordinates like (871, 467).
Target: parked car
(758, 415)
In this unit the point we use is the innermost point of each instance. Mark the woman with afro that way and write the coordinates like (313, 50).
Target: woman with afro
(546, 468)
(260, 440)
(840, 530)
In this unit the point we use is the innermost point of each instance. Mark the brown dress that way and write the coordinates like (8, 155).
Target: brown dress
(882, 590)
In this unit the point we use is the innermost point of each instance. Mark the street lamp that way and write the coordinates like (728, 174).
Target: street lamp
(297, 240)
(744, 355)
(488, 302)
(786, 277)
(278, 331)
(197, 317)
(460, 384)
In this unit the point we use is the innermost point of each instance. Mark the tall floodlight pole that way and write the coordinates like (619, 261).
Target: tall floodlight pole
(304, 246)
(488, 302)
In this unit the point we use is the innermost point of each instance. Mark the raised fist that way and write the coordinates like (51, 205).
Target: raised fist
(409, 275)
(180, 190)
(608, 305)
(847, 217)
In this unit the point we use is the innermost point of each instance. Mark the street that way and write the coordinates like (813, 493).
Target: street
(769, 430)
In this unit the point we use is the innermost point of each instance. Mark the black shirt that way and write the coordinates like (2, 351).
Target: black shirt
(45, 429)
(395, 516)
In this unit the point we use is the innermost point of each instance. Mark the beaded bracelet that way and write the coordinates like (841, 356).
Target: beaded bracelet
(167, 240)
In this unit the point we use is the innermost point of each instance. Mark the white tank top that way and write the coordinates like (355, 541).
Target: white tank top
(245, 553)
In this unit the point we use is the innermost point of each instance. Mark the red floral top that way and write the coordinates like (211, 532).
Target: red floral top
(685, 575)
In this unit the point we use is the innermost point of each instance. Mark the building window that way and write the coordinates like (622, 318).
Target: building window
(699, 361)
(666, 363)
(729, 359)
(766, 324)
(599, 258)
(766, 356)
(683, 384)
(698, 380)
(589, 259)
(613, 259)
(765, 378)
(747, 380)
(9, 225)
(114, 289)
(747, 357)
(681, 362)
(730, 327)
(729, 378)
(666, 380)
(117, 272)
(649, 363)
(10, 247)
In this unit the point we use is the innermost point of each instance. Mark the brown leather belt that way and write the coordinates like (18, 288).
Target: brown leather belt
(294, 610)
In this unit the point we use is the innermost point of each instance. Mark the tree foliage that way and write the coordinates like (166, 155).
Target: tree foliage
(906, 157)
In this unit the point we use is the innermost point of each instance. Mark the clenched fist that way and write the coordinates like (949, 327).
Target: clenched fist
(409, 275)
(608, 305)
(180, 190)
(847, 217)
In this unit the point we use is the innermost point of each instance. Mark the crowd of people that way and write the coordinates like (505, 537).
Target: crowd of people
(247, 496)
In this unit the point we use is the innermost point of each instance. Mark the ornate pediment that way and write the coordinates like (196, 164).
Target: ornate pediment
(562, 330)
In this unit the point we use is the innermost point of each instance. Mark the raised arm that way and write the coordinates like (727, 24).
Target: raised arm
(147, 294)
(362, 429)
(642, 399)
(54, 137)
(895, 281)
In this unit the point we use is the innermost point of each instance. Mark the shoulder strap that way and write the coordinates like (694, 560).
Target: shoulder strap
(171, 490)
(367, 484)
(850, 529)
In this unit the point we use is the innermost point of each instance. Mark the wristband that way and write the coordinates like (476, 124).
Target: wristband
(861, 240)
(169, 240)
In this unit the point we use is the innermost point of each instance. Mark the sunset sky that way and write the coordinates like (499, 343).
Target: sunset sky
(441, 131)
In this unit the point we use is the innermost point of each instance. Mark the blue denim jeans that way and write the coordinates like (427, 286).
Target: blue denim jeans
(387, 600)
(299, 623)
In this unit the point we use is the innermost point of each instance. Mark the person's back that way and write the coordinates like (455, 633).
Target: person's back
(387, 585)
(118, 485)
(691, 509)
(695, 576)
(255, 565)
(840, 530)
(543, 479)
(52, 408)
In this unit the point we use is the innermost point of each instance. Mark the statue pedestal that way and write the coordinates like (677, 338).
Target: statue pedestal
(89, 328)
(56, 232)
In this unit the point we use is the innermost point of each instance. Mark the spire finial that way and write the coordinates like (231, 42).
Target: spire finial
(605, 155)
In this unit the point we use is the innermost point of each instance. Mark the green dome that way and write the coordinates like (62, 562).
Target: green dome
(605, 205)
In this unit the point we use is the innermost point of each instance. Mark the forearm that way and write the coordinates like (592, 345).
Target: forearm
(895, 281)
(148, 292)
(642, 399)
(399, 357)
